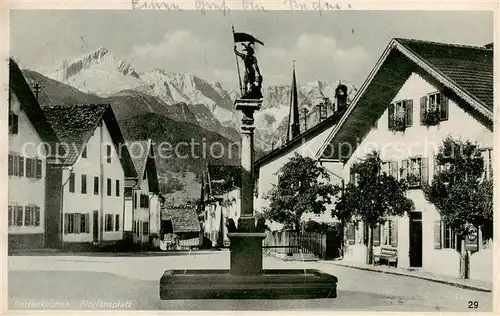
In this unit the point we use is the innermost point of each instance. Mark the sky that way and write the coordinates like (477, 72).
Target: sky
(338, 45)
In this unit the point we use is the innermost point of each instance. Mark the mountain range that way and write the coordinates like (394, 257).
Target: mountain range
(161, 104)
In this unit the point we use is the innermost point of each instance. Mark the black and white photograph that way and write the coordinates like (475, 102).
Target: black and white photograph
(319, 158)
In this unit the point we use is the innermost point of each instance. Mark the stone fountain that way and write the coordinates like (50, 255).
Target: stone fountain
(246, 279)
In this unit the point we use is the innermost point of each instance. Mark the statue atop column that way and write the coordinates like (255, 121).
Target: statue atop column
(252, 85)
(252, 82)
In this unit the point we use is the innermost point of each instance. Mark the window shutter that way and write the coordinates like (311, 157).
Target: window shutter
(394, 169)
(38, 168)
(404, 167)
(11, 165)
(72, 182)
(37, 215)
(76, 223)
(66, 223)
(390, 117)
(408, 113)
(16, 165)
(444, 108)
(350, 234)
(29, 168)
(437, 235)
(27, 215)
(376, 236)
(10, 215)
(87, 223)
(21, 166)
(394, 233)
(117, 222)
(424, 170)
(423, 101)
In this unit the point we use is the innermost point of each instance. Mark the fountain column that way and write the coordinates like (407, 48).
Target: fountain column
(246, 243)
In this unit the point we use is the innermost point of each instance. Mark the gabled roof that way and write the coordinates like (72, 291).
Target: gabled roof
(142, 154)
(29, 104)
(184, 219)
(305, 136)
(465, 73)
(75, 124)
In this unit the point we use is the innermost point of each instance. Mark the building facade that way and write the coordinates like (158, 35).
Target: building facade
(142, 207)
(392, 114)
(31, 139)
(86, 187)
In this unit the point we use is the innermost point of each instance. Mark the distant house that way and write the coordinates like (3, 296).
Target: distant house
(31, 141)
(181, 220)
(142, 206)
(86, 187)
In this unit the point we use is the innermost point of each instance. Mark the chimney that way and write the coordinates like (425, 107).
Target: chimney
(341, 97)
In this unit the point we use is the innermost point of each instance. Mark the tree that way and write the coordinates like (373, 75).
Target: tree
(375, 196)
(303, 187)
(460, 194)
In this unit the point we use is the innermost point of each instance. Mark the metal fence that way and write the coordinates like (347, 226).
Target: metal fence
(296, 242)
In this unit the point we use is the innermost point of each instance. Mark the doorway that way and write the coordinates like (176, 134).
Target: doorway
(415, 239)
(95, 226)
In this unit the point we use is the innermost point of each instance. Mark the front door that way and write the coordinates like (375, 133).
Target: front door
(95, 226)
(415, 239)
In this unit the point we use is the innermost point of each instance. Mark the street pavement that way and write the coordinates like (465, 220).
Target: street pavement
(132, 283)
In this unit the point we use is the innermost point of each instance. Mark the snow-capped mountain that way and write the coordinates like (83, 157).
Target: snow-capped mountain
(102, 73)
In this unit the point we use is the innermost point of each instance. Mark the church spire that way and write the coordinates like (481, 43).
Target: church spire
(293, 116)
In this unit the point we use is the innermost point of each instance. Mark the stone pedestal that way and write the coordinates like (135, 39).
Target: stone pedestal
(246, 253)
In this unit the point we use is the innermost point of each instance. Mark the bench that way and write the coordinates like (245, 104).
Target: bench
(388, 254)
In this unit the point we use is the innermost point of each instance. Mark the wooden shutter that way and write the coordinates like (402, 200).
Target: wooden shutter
(84, 183)
(29, 167)
(66, 223)
(87, 223)
(423, 101)
(21, 166)
(11, 165)
(350, 234)
(437, 235)
(27, 215)
(76, 223)
(390, 117)
(394, 233)
(376, 236)
(408, 113)
(424, 170)
(72, 182)
(16, 165)
(404, 167)
(117, 222)
(443, 113)
(10, 215)
(37, 215)
(38, 168)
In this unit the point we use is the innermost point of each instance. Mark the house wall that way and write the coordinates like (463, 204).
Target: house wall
(24, 191)
(212, 222)
(422, 141)
(78, 202)
(268, 174)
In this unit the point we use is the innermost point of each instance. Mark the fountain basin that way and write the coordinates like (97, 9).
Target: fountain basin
(270, 284)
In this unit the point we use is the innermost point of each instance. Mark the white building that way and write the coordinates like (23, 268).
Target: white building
(411, 79)
(30, 140)
(142, 207)
(86, 187)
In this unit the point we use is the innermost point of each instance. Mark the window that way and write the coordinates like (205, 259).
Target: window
(38, 169)
(134, 197)
(117, 222)
(444, 236)
(448, 237)
(109, 223)
(108, 153)
(72, 182)
(11, 165)
(16, 216)
(31, 216)
(84, 183)
(353, 177)
(488, 167)
(29, 167)
(16, 165)
(117, 187)
(84, 152)
(96, 185)
(109, 186)
(21, 166)
(13, 123)
(69, 223)
(393, 169)
(400, 115)
(84, 223)
(433, 108)
(391, 233)
(351, 234)
(145, 228)
(19, 216)
(10, 216)
(415, 171)
(76, 223)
